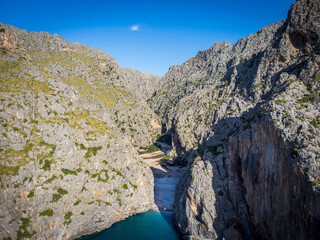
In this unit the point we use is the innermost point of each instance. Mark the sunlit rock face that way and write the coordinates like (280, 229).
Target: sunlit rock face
(245, 119)
(69, 124)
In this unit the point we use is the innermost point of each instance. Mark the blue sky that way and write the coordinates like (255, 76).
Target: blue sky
(149, 35)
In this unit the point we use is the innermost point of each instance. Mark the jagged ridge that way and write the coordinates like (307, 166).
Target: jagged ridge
(245, 118)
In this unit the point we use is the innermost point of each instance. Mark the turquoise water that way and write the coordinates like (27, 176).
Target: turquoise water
(149, 225)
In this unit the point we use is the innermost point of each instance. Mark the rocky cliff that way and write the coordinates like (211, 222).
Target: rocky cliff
(68, 125)
(245, 118)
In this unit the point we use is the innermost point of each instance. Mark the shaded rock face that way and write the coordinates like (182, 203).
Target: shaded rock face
(68, 166)
(302, 29)
(245, 118)
(281, 203)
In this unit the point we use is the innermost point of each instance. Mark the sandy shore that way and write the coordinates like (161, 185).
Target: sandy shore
(165, 179)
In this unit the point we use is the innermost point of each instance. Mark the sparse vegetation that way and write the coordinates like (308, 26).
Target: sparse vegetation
(279, 101)
(314, 123)
(316, 76)
(68, 171)
(47, 165)
(48, 212)
(150, 149)
(92, 151)
(31, 194)
(119, 201)
(22, 232)
(50, 180)
(56, 196)
(106, 176)
(67, 218)
(77, 202)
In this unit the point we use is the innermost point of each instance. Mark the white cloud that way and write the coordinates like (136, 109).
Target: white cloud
(134, 28)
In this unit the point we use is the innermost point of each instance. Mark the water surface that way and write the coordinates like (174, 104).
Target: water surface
(144, 226)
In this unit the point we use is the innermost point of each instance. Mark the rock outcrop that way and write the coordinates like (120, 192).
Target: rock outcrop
(245, 118)
(68, 166)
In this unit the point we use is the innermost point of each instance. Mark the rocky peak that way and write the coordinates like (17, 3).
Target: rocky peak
(303, 25)
(245, 118)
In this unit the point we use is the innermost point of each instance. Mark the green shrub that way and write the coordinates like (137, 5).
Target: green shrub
(167, 157)
(125, 186)
(77, 202)
(100, 179)
(22, 232)
(68, 171)
(92, 151)
(150, 149)
(316, 76)
(56, 197)
(198, 158)
(105, 162)
(305, 99)
(47, 165)
(48, 212)
(67, 218)
(281, 101)
(31, 194)
(119, 201)
(134, 186)
(62, 191)
(54, 177)
(34, 121)
(314, 123)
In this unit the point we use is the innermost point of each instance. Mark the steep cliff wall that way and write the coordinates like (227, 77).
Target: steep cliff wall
(245, 118)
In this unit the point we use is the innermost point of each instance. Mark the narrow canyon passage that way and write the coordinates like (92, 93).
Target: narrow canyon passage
(166, 176)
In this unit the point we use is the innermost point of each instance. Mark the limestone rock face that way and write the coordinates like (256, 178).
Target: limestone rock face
(141, 85)
(67, 165)
(245, 118)
(276, 190)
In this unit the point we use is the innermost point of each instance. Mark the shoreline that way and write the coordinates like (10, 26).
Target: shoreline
(166, 176)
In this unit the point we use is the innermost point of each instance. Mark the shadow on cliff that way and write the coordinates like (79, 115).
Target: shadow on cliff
(259, 190)
(229, 227)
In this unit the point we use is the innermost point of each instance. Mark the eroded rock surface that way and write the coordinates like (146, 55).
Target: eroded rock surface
(245, 118)
(68, 166)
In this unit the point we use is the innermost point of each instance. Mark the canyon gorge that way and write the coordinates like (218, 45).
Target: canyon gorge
(238, 124)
